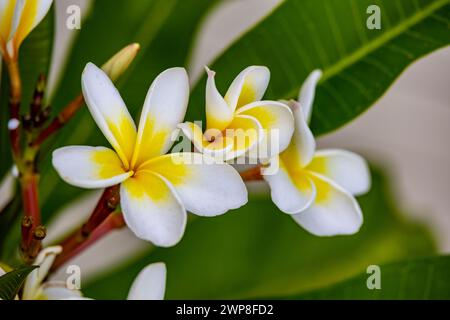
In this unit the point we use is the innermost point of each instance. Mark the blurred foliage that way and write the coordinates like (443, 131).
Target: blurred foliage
(416, 280)
(359, 64)
(258, 251)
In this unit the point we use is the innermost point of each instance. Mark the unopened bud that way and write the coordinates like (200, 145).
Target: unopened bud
(120, 62)
(40, 232)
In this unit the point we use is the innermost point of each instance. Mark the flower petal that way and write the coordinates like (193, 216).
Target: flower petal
(307, 92)
(278, 123)
(246, 133)
(89, 167)
(27, 15)
(334, 211)
(33, 282)
(164, 108)
(347, 169)
(59, 291)
(6, 20)
(249, 86)
(150, 283)
(205, 187)
(152, 209)
(218, 112)
(291, 192)
(303, 145)
(109, 111)
(218, 148)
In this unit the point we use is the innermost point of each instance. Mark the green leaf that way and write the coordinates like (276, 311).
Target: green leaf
(35, 55)
(259, 251)
(164, 28)
(413, 280)
(359, 64)
(11, 282)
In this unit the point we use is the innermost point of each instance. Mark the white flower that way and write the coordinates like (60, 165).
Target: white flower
(240, 124)
(156, 189)
(318, 187)
(36, 289)
(17, 19)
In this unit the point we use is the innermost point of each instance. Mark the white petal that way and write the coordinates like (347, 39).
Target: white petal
(290, 193)
(249, 86)
(2, 272)
(218, 112)
(205, 187)
(247, 134)
(150, 283)
(303, 145)
(27, 15)
(307, 92)
(334, 211)
(278, 123)
(89, 167)
(217, 149)
(347, 169)
(59, 291)
(109, 111)
(6, 20)
(44, 260)
(152, 209)
(164, 108)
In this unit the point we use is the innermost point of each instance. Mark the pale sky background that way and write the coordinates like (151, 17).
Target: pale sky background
(406, 132)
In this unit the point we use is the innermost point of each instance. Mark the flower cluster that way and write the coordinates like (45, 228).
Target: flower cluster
(317, 188)
(158, 186)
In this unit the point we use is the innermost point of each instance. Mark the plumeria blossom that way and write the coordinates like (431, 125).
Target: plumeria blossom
(156, 188)
(17, 19)
(36, 289)
(240, 124)
(318, 187)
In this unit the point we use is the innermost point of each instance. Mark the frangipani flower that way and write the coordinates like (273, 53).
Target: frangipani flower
(36, 289)
(156, 188)
(318, 187)
(239, 124)
(17, 19)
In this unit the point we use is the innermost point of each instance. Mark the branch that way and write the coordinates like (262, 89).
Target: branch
(252, 174)
(112, 222)
(106, 205)
(66, 114)
(14, 106)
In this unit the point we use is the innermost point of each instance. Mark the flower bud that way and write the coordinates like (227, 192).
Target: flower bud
(120, 62)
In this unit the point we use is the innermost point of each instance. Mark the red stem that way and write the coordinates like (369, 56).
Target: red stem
(107, 204)
(252, 174)
(32, 217)
(112, 222)
(66, 114)
(14, 104)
